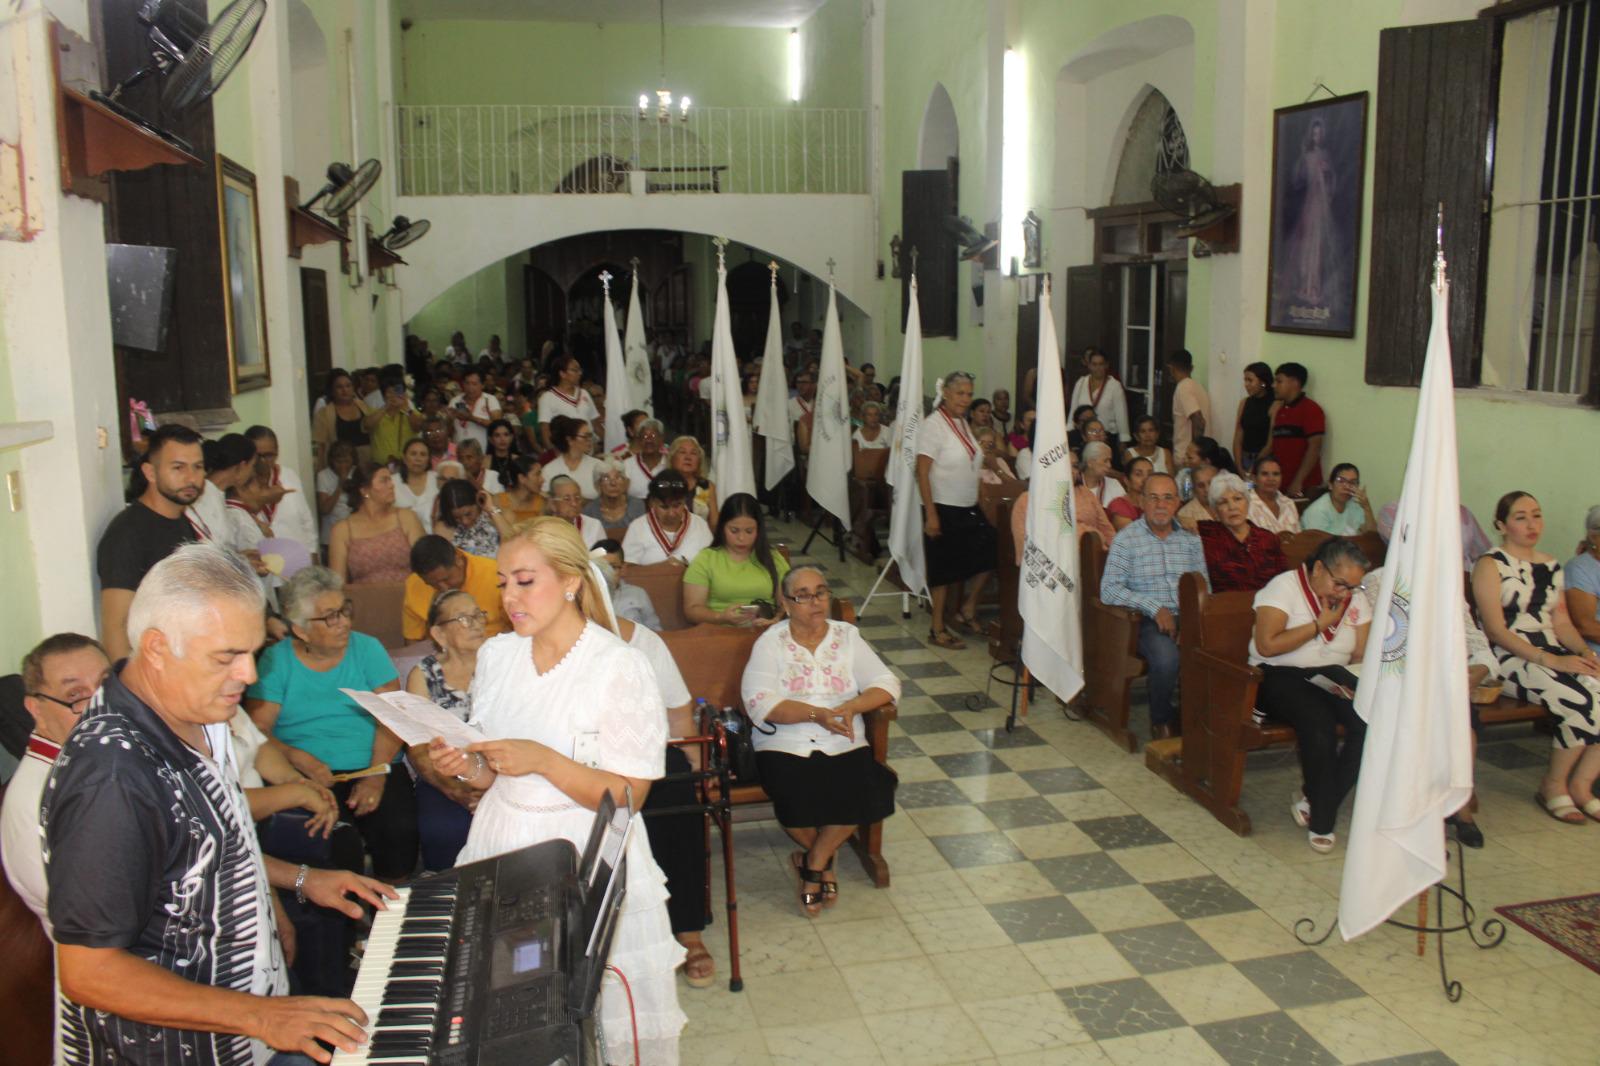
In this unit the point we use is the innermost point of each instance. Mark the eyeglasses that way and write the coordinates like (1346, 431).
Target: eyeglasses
(76, 705)
(1353, 482)
(470, 620)
(1358, 587)
(347, 612)
(806, 599)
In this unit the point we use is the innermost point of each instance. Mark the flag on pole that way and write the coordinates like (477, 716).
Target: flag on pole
(772, 399)
(731, 469)
(634, 352)
(827, 476)
(905, 515)
(1048, 594)
(619, 390)
(1416, 766)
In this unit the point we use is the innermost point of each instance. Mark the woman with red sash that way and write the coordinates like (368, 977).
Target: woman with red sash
(958, 541)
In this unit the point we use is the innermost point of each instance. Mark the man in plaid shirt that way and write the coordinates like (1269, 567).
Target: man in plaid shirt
(1142, 570)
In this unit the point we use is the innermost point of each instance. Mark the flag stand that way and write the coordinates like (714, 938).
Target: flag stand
(905, 596)
(837, 540)
(1485, 935)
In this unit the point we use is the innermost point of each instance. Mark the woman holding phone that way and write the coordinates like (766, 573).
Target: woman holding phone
(735, 581)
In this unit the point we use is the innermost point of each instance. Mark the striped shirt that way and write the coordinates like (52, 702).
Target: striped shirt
(1142, 569)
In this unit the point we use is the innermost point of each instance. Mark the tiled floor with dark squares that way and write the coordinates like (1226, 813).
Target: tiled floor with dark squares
(1053, 903)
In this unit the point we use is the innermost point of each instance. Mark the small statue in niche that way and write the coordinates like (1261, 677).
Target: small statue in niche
(894, 256)
(1032, 258)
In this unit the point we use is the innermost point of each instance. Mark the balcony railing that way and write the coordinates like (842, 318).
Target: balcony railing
(522, 149)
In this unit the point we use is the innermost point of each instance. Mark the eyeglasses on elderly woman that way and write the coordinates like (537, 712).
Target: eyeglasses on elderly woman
(806, 599)
(347, 612)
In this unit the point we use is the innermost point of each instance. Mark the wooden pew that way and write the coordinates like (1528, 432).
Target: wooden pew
(27, 997)
(663, 583)
(996, 502)
(379, 607)
(1304, 544)
(869, 498)
(1218, 690)
(712, 660)
(1110, 650)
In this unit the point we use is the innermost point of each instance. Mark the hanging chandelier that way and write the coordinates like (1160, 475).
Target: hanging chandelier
(663, 95)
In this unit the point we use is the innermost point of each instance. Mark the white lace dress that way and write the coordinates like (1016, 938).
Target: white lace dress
(605, 688)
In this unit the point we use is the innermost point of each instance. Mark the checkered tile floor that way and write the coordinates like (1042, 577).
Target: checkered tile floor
(1053, 902)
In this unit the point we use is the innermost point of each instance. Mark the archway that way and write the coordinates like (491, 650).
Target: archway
(585, 315)
(750, 305)
(940, 137)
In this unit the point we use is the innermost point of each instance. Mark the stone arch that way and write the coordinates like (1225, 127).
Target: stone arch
(939, 140)
(1152, 141)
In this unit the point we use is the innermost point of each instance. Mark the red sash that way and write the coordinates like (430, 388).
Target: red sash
(1315, 603)
(572, 401)
(640, 460)
(961, 434)
(1094, 397)
(660, 534)
(40, 748)
(197, 524)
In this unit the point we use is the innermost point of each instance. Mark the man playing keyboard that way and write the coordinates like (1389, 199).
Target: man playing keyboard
(167, 950)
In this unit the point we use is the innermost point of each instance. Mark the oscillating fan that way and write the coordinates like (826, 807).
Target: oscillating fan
(193, 57)
(403, 232)
(974, 243)
(345, 186)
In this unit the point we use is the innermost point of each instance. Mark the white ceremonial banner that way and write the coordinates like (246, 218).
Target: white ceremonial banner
(619, 388)
(905, 515)
(1416, 765)
(828, 475)
(772, 400)
(1047, 592)
(731, 467)
(636, 355)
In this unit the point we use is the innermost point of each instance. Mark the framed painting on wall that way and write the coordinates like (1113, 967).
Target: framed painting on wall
(243, 299)
(1318, 163)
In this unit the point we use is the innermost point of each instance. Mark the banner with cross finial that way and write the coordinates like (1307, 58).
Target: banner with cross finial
(731, 466)
(636, 351)
(618, 395)
(772, 396)
(828, 472)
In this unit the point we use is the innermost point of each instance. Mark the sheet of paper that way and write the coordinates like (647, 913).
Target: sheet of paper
(413, 719)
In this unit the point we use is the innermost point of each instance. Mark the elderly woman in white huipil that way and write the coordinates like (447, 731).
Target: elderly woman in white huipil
(808, 683)
(572, 713)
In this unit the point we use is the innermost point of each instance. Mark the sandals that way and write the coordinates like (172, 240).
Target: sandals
(1300, 810)
(830, 889)
(1321, 843)
(1591, 809)
(946, 639)
(968, 624)
(810, 902)
(1562, 809)
(698, 954)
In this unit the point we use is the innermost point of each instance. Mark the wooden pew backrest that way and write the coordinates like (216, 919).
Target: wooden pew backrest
(663, 583)
(378, 608)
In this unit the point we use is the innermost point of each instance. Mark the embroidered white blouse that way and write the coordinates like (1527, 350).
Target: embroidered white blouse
(843, 666)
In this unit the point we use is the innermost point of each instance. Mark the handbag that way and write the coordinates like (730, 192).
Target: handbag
(739, 730)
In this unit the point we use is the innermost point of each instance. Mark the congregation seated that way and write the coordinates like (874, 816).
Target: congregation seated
(458, 627)
(735, 581)
(573, 439)
(439, 567)
(475, 467)
(688, 460)
(614, 505)
(1142, 570)
(995, 471)
(566, 503)
(1311, 624)
(1583, 582)
(333, 501)
(627, 601)
(468, 520)
(1097, 477)
(1199, 509)
(374, 543)
(296, 700)
(502, 450)
(807, 684)
(1240, 555)
(1129, 506)
(873, 433)
(648, 458)
(1147, 445)
(1270, 507)
(416, 485)
(668, 530)
(1207, 451)
(523, 499)
(1518, 590)
(1344, 509)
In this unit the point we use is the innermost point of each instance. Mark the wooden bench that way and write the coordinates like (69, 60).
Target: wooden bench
(1111, 659)
(27, 981)
(996, 502)
(663, 583)
(1218, 696)
(1303, 545)
(379, 611)
(712, 660)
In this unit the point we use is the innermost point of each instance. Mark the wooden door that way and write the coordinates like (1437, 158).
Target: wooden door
(319, 335)
(546, 308)
(1094, 307)
(1027, 350)
(927, 198)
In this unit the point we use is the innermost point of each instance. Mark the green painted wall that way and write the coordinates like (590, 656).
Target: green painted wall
(832, 50)
(476, 306)
(513, 62)
(19, 623)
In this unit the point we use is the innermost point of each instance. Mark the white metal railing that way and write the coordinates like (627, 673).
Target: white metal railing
(518, 149)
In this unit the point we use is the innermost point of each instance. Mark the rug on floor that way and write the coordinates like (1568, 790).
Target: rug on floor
(1570, 925)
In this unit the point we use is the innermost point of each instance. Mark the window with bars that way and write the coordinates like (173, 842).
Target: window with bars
(1544, 262)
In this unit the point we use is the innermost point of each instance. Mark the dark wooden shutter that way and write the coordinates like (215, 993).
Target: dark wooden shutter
(927, 198)
(319, 334)
(1027, 345)
(1436, 99)
(1172, 316)
(546, 309)
(173, 207)
(1094, 306)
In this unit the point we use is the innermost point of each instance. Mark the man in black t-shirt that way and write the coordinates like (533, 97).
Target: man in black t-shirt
(149, 528)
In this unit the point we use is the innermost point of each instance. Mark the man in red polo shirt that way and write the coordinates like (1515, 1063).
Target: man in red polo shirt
(1297, 431)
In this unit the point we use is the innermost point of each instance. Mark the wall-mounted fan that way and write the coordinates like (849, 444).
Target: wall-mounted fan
(403, 232)
(191, 56)
(345, 186)
(974, 243)
(1190, 197)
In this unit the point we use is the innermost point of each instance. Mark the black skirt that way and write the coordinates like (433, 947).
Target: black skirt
(965, 547)
(849, 789)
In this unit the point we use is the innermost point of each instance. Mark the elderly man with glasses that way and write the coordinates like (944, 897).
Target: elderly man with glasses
(297, 700)
(60, 677)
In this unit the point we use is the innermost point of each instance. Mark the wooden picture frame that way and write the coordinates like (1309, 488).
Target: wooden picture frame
(1314, 248)
(243, 294)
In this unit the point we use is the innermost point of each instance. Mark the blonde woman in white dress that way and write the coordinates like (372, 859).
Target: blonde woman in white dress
(561, 687)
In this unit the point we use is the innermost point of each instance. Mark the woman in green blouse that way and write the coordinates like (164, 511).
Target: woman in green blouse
(735, 581)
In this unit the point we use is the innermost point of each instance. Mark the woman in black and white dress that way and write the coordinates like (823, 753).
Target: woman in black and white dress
(959, 541)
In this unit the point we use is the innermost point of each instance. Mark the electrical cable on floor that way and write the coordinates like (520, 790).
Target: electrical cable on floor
(633, 1017)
